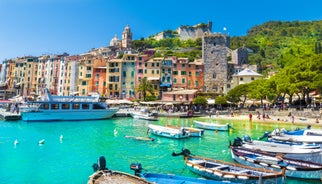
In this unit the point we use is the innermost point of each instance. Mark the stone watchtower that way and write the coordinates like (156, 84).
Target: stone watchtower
(127, 37)
(215, 48)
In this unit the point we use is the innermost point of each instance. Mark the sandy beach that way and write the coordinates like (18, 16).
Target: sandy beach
(301, 121)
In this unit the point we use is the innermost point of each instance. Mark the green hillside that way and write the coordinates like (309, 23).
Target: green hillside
(276, 44)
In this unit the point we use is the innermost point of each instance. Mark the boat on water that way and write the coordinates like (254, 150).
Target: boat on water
(248, 141)
(170, 178)
(168, 132)
(312, 155)
(139, 138)
(293, 167)
(212, 126)
(103, 175)
(300, 132)
(145, 115)
(194, 132)
(226, 171)
(65, 108)
(308, 136)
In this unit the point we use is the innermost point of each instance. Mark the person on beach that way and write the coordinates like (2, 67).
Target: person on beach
(316, 120)
(250, 117)
(292, 119)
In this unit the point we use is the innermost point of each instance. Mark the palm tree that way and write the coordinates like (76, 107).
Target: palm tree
(145, 87)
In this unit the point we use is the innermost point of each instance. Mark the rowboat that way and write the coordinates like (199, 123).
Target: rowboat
(168, 132)
(145, 115)
(212, 126)
(313, 155)
(293, 168)
(194, 132)
(225, 171)
(139, 138)
(103, 175)
(169, 178)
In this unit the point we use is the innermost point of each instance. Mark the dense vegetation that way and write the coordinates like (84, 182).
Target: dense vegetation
(292, 50)
(171, 47)
(276, 44)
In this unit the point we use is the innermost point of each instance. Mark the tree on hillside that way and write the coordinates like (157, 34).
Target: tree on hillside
(238, 93)
(145, 87)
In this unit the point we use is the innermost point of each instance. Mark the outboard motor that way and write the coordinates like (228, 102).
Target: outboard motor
(101, 163)
(184, 152)
(237, 142)
(247, 139)
(266, 135)
(137, 168)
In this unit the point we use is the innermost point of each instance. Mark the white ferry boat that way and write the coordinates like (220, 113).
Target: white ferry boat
(65, 108)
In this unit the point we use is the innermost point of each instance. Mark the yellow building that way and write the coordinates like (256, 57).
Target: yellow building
(113, 73)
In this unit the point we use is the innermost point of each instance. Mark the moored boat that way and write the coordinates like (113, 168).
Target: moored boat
(145, 115)
(293, 168)
(139, 138)
(64, 108)
(254, 143)
(103, 175)
(168, 132)
(212, 126)
(225, 171)
(312, 155)
(169, 178)
(194, 132)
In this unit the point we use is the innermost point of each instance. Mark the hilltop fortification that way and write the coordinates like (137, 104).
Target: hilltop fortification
(187, 32)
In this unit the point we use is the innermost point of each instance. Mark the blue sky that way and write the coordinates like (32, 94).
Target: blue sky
(37, 27)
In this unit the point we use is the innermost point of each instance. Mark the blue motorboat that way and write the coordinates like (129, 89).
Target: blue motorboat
(170, 178)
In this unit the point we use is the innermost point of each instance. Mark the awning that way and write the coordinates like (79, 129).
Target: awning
(153, 78)
(165, 85)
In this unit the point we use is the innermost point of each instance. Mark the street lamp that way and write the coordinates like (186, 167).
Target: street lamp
(180, 98)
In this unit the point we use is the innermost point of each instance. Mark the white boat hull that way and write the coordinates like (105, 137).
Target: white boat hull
(168, 132)
(211, 126)
(69, 115)
(289, 172)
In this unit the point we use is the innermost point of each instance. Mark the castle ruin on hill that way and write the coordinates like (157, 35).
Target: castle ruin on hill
(187, 32)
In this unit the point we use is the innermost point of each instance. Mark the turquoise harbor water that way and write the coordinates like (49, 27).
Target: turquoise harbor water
(70, 160)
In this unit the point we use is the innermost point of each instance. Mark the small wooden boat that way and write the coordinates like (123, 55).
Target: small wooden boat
(212, 126)
(254, 143)
(293, 168)
(297, 139)
(168, 132)
(300, 132)
(103, 175)
(194, 132)
(225, 171)
(145, 115)
(170, 178)
(312, 155)
(139, 138)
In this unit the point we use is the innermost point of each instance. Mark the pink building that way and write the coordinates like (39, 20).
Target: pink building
(182, 96)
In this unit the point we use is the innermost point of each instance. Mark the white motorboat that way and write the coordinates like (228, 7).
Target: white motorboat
(168, 132)
(65, 108)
